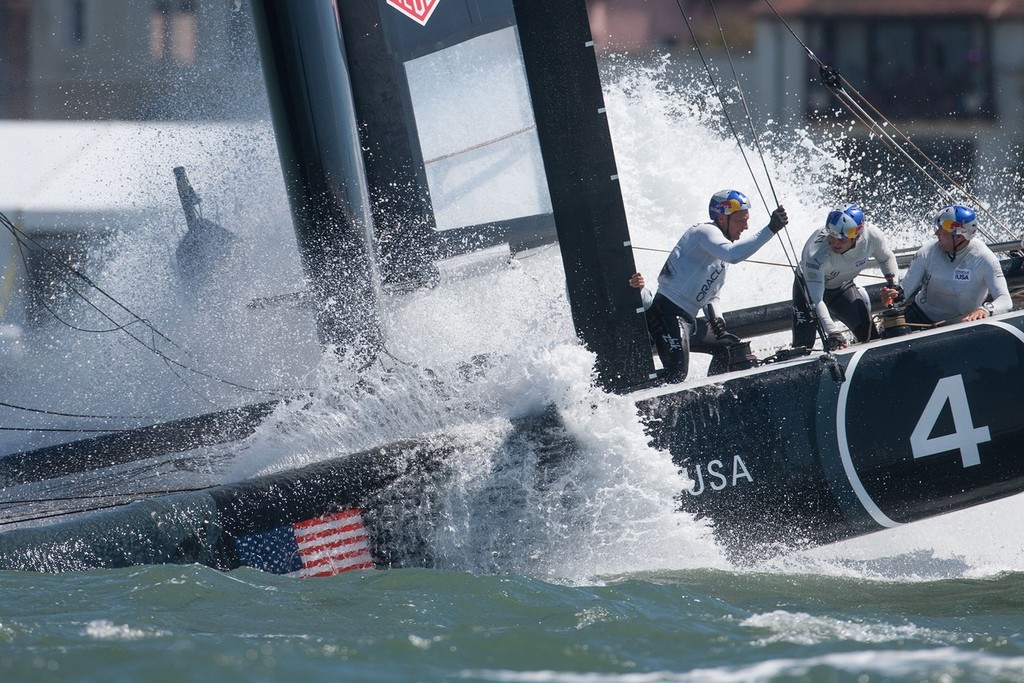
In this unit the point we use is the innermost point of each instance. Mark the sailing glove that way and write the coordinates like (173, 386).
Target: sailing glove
(834, 341)
(717, 326)
(779, 220)
(890, 300)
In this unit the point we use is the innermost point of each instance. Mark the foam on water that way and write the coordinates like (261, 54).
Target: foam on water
(609, 509)
(939, 664)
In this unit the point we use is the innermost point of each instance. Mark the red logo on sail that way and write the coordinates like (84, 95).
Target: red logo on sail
(418, 10)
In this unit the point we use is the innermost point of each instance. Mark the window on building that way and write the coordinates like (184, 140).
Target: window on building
(14, 60)
(909, 69)
(173, 32)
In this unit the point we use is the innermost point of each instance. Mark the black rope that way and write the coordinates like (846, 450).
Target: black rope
(138, 495)
(746, 109)
(855, 103)
(63, 513)
(73, 430)
(22, 238)
(721, 99)
(795, 260)
(44, 411)
(837, 371)
(132, 497)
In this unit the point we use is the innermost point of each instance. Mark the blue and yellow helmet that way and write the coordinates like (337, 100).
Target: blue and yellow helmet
(957, 220)
(846, 223)
(727, 202)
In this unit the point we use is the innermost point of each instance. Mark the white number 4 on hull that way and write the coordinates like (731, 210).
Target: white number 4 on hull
(965, 437)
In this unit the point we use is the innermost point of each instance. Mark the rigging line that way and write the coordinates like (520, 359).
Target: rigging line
(103, 496)
(35, 518)
(931, 161)
(721, 100)
(887, 140)
(481, 145)
(846, 88)
(186, 384)
(9, 280)
(77, 430)
(60, 414)
(117, 326)
(278, 392)
(832, 78)
(855, 108)
(757, 138)
(963, 191)
(523, 255)
(19, 234)
(810, 54)
(793, 260)
(746, 109)
(732, 127)
(755, 261)
(56, 316)
(124, 328)
(92, 508)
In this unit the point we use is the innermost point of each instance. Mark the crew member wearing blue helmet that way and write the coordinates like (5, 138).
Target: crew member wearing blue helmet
(832, 258)
(952, 278)
(691, 279)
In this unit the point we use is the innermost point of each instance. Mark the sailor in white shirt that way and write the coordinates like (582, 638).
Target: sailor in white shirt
(831, 259)
(951, 279)
(691, 278)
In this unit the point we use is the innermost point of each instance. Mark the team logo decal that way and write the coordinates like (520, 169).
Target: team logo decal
(923, 427)
(417, 10)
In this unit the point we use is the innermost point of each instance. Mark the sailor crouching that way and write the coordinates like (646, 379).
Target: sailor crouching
(824, 286)
(950, 279)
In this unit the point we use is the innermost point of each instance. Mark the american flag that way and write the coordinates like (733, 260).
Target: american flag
(322, 546)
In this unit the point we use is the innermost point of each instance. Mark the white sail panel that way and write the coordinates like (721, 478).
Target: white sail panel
(477, 132)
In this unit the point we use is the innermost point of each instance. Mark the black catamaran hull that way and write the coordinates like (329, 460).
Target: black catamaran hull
(921, 425)
(781, 456)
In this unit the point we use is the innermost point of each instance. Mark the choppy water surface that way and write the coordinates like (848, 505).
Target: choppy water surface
(173, 623)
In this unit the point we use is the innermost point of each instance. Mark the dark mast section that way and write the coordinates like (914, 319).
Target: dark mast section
(303, 56)
(565, 87)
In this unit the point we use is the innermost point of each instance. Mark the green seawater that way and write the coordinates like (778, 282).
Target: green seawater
(191, 623)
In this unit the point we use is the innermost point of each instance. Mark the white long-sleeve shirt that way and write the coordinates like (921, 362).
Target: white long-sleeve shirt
(824, 268)
(694, 272)
(949, 290)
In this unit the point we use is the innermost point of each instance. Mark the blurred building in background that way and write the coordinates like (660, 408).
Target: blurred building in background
(110, 59)
(949, 72)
